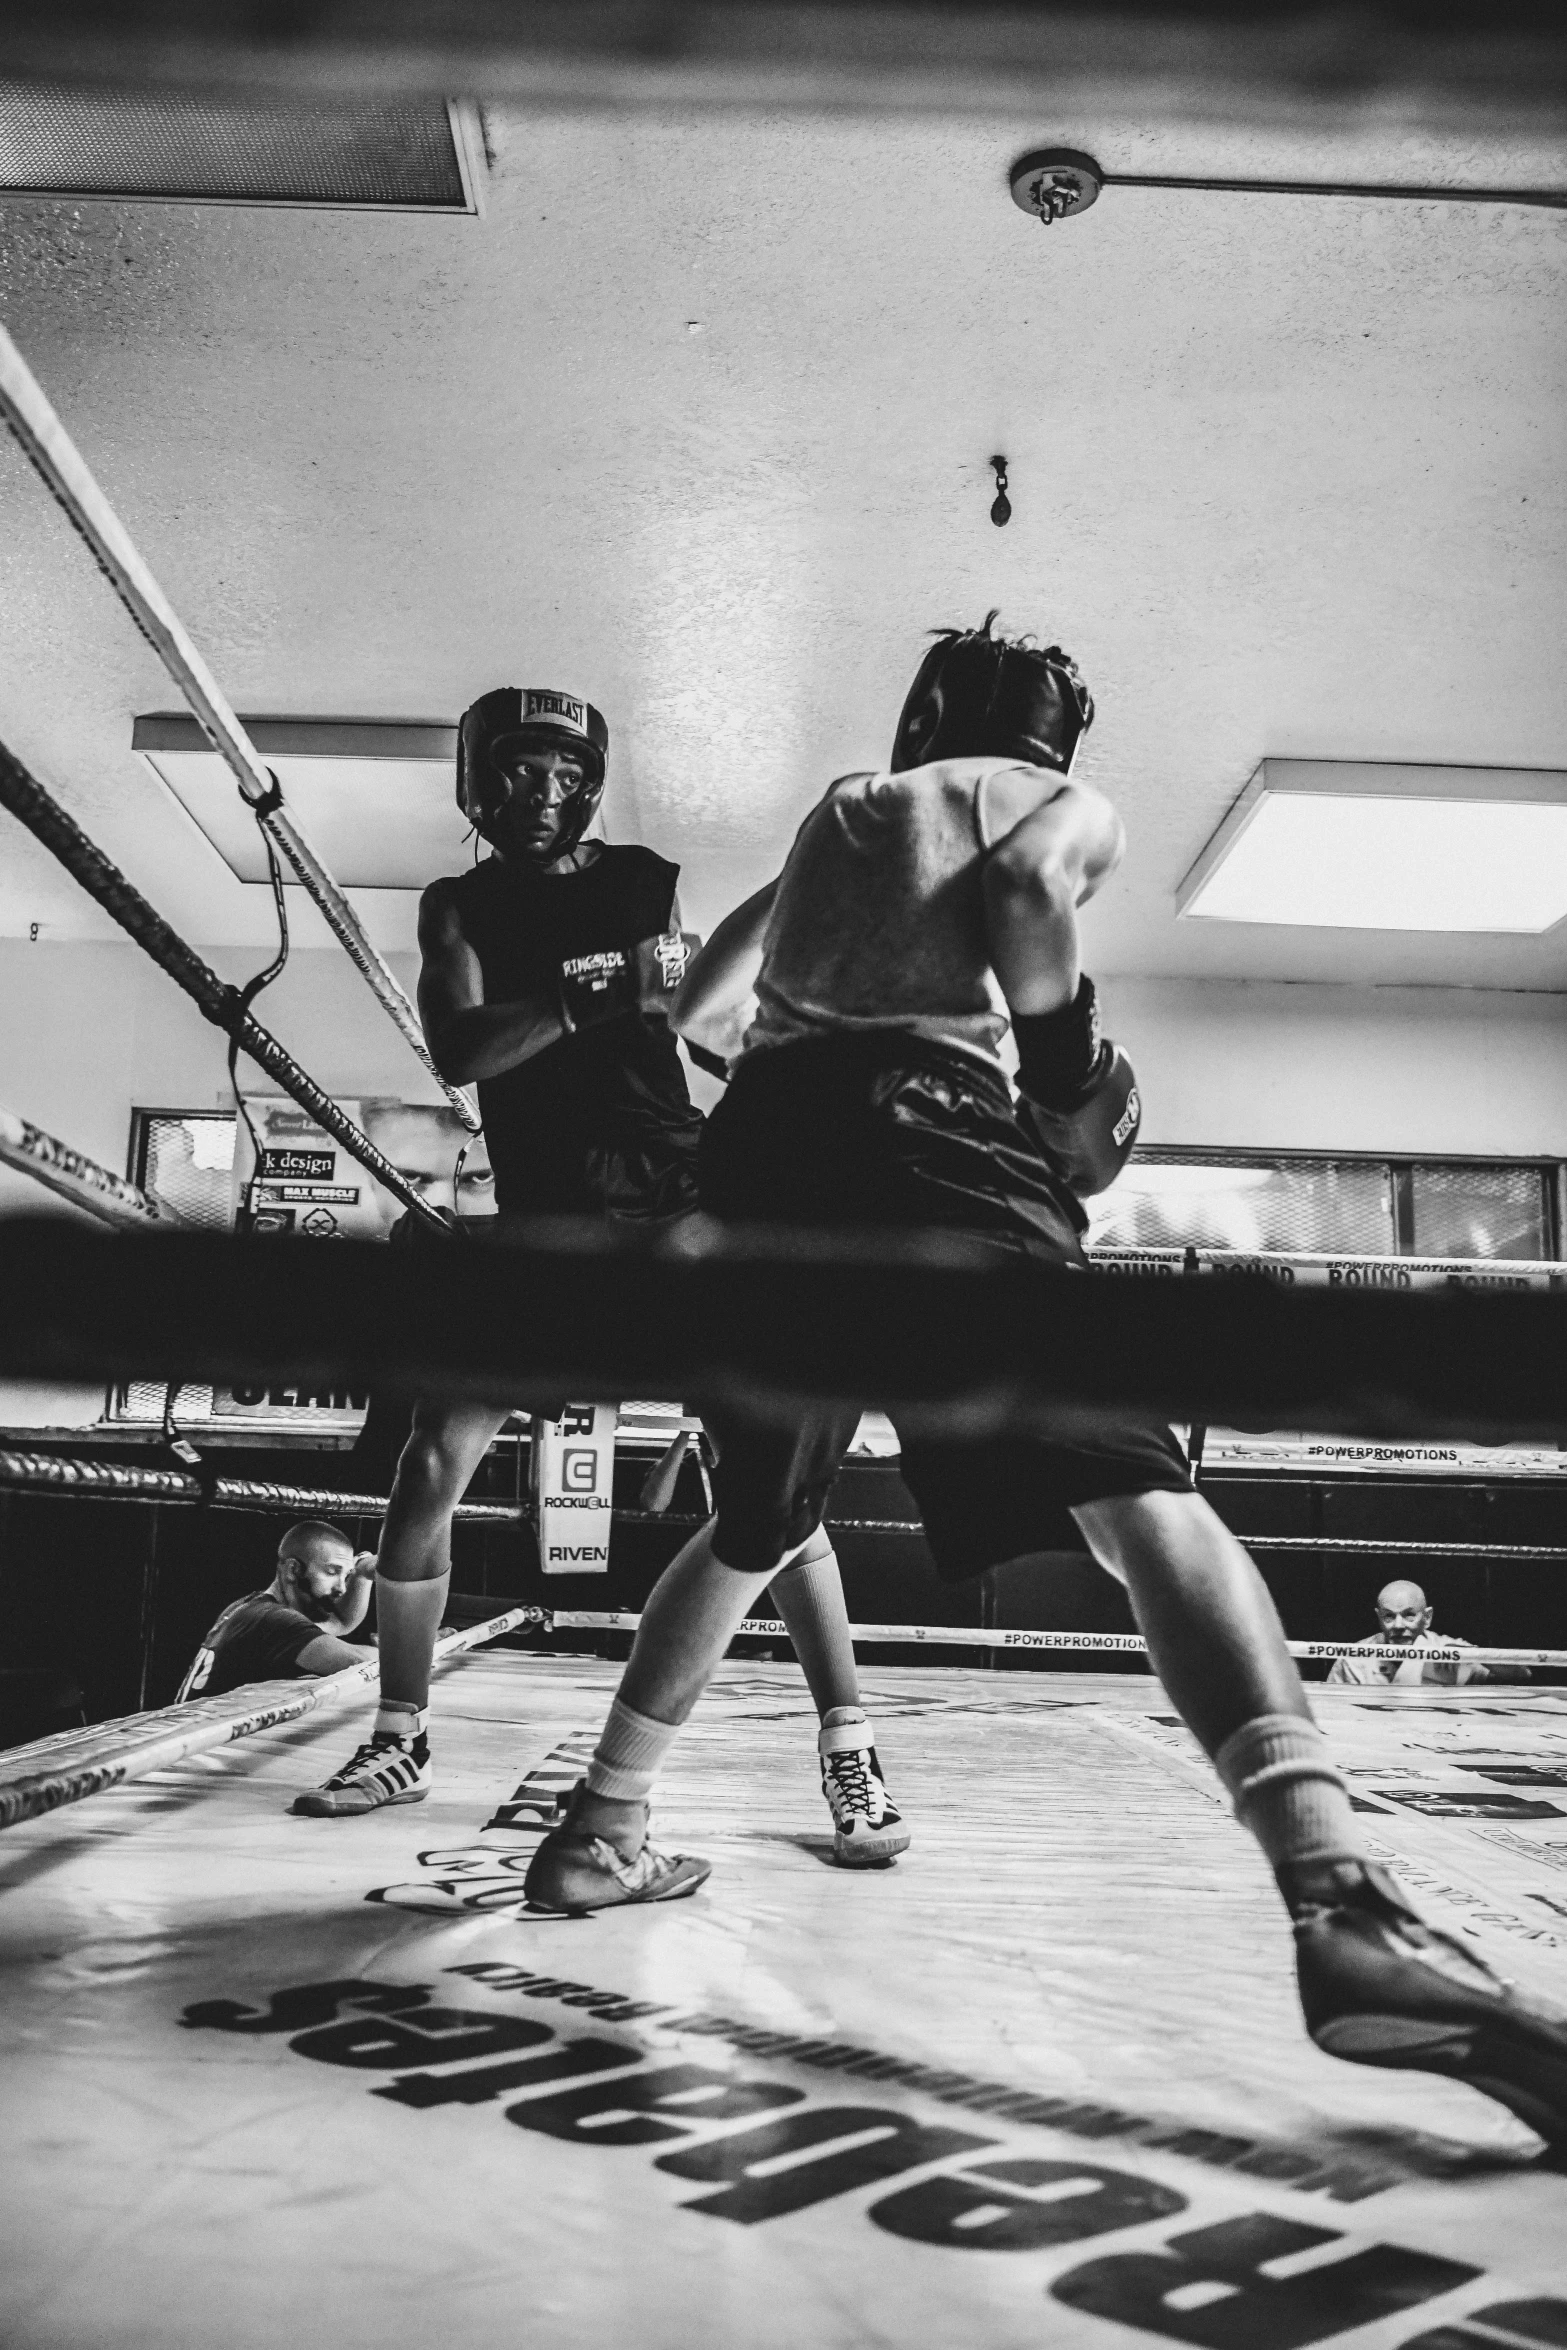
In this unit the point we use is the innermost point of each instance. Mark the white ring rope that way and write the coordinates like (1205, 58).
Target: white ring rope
(55, 456)
(54, 1771)
(64, 1769)
(77, 1178)
(1118, 1643)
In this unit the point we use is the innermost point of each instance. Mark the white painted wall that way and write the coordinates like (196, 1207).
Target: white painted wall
(89, 1031)
(1267, 1064)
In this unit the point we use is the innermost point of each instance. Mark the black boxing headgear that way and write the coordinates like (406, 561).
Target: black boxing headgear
(977, 695)
(512, 718)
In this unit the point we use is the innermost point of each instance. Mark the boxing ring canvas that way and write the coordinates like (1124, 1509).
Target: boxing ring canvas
(1044, 2081)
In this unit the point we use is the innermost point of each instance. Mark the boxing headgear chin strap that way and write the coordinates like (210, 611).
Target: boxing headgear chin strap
(976, 695)
(523, 715)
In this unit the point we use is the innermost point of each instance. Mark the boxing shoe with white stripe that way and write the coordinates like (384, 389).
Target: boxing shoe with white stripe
(577, 1870)
(868, 1830)
(384, 1770)
(1380, 1986)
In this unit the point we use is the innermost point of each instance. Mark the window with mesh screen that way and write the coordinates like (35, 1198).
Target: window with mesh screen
(1299, 1206)
(1479, 1212)
(187, 1158)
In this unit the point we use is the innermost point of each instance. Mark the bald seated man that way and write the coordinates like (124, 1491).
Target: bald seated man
(1404, 1613)
(299, 1625)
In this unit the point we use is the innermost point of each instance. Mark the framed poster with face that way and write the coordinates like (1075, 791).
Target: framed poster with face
(295, 1178)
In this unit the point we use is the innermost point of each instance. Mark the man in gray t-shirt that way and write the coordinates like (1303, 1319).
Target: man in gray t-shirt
(297, 1626)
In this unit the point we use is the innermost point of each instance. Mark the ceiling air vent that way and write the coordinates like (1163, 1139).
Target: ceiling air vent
(166, 147)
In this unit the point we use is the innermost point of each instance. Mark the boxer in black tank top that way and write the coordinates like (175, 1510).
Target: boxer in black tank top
(600, 1120)
(546, 977)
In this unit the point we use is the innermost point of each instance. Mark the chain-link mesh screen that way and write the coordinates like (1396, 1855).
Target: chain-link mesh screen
(188, 1161)
(1479, 1212)
(1298, 1206)
(168, 143)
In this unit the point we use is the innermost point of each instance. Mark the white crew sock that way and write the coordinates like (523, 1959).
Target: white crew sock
(845, 1730)
(626, 1759)
(396, 1717)
(1287, 1792)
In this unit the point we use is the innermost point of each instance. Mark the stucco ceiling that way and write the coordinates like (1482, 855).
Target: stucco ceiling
(696, 420)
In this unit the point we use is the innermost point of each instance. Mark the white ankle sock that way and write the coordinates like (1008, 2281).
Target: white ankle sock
(395, 1717)
(845, 1729)
(629, 1751)
(1287, 1791)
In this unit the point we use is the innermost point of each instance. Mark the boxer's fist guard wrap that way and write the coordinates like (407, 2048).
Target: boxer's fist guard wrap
(612, 981)
(597, 987)
(662, 964)
(1079, 1093)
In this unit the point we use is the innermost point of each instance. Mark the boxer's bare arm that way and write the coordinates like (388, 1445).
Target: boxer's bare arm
(1049, 862)
(467, 1037)
(354, 1606)
(713, 1008)
(327, 1654)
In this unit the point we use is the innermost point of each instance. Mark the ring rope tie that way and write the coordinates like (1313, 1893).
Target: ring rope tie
(215, 999)
(55, 457)
(77, 1178)
(89, 1480)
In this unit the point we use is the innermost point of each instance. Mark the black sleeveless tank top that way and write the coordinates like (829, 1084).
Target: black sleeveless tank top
(619, 1087)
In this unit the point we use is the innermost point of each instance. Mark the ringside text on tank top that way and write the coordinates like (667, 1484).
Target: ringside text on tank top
(879, 919)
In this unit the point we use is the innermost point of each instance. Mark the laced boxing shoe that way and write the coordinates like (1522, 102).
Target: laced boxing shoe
(383, 1770)
(577, 1870)
(1380, 1986)
(868, 1829)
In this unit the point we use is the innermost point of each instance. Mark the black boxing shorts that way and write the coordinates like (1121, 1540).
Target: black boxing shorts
(891, 1131)
(645, 1179)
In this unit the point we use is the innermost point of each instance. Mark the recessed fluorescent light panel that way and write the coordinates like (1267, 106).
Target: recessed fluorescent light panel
(376, 799)
(409, 154)
(1351, 845)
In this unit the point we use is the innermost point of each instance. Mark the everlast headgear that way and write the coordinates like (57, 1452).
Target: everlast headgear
(514, 718)
(982, 696)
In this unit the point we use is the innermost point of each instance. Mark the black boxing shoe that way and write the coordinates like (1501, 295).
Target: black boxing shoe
(576, 1870)
(1380, 1986)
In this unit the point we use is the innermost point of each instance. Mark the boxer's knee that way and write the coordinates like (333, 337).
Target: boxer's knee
(766, 1545)
(432, 1476)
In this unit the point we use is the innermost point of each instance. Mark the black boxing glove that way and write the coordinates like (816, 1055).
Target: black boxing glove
(1088, 1143)
(597, 987)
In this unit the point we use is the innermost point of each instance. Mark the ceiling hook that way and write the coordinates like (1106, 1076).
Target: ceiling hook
(1001, 509)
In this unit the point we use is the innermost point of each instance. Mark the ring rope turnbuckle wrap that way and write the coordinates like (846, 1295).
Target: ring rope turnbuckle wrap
(77, 1178)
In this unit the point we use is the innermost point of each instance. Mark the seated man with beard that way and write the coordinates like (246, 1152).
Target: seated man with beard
(297, 1626)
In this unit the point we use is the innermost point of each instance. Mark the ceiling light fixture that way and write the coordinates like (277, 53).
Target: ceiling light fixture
(1356, 845)
(375, 796)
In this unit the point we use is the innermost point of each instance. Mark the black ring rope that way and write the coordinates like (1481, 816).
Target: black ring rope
(89, 1480)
